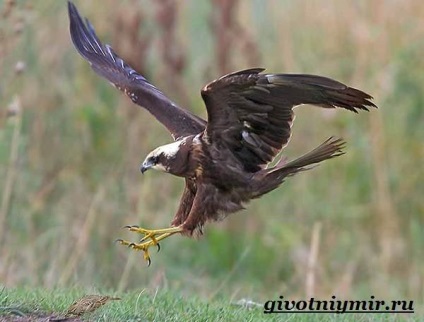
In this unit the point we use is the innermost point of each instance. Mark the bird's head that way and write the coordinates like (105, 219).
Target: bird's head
(171, 158)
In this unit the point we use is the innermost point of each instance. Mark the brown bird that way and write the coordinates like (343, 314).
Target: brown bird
(225, 161)
(89, 303)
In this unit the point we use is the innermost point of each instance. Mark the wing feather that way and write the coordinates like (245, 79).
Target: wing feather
(251, 113)
(109, 65)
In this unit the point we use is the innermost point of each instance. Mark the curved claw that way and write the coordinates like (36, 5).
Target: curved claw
(130, 226)
(131, 245)
(144, 238)
(149, 261)
(119, 240)
(158, 246)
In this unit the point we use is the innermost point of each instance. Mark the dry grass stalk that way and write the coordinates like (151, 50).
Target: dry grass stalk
(312, 260)
(12, 166)
(231, 39)
(83, 237)
(172, 52)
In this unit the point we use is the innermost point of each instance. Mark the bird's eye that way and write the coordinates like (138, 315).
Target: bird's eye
(155, 159)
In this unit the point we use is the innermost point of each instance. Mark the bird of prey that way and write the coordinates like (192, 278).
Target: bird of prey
(226, 160)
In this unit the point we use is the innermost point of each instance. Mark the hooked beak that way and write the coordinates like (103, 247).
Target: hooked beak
(146, 166)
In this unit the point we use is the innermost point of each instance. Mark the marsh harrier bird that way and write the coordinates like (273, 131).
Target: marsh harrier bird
(225, 160)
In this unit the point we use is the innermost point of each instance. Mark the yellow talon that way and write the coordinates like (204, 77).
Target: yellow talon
(154, 235)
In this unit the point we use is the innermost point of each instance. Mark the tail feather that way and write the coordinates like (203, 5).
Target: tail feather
(332, 147)
(269, 179)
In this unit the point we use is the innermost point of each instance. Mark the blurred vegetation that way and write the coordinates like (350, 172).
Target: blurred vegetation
(70, 148)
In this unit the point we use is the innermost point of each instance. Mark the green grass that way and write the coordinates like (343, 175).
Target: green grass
(159, 305)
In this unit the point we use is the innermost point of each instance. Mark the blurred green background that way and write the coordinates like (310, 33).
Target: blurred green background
(71, 145)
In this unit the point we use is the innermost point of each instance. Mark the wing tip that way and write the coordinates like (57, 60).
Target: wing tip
(361, 100)
(73, 14)
(71, 6)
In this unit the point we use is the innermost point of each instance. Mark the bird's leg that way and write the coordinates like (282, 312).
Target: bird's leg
(154, 235)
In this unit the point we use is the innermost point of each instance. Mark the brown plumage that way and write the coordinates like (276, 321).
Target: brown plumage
(89, 303)
(225, 161)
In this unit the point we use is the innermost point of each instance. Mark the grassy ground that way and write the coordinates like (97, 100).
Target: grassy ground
(160, 305)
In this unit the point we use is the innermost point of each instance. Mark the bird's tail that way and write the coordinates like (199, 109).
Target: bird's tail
(269, 179)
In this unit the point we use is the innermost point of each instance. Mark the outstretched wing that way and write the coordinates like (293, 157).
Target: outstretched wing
(106, 63)
(251, 113)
